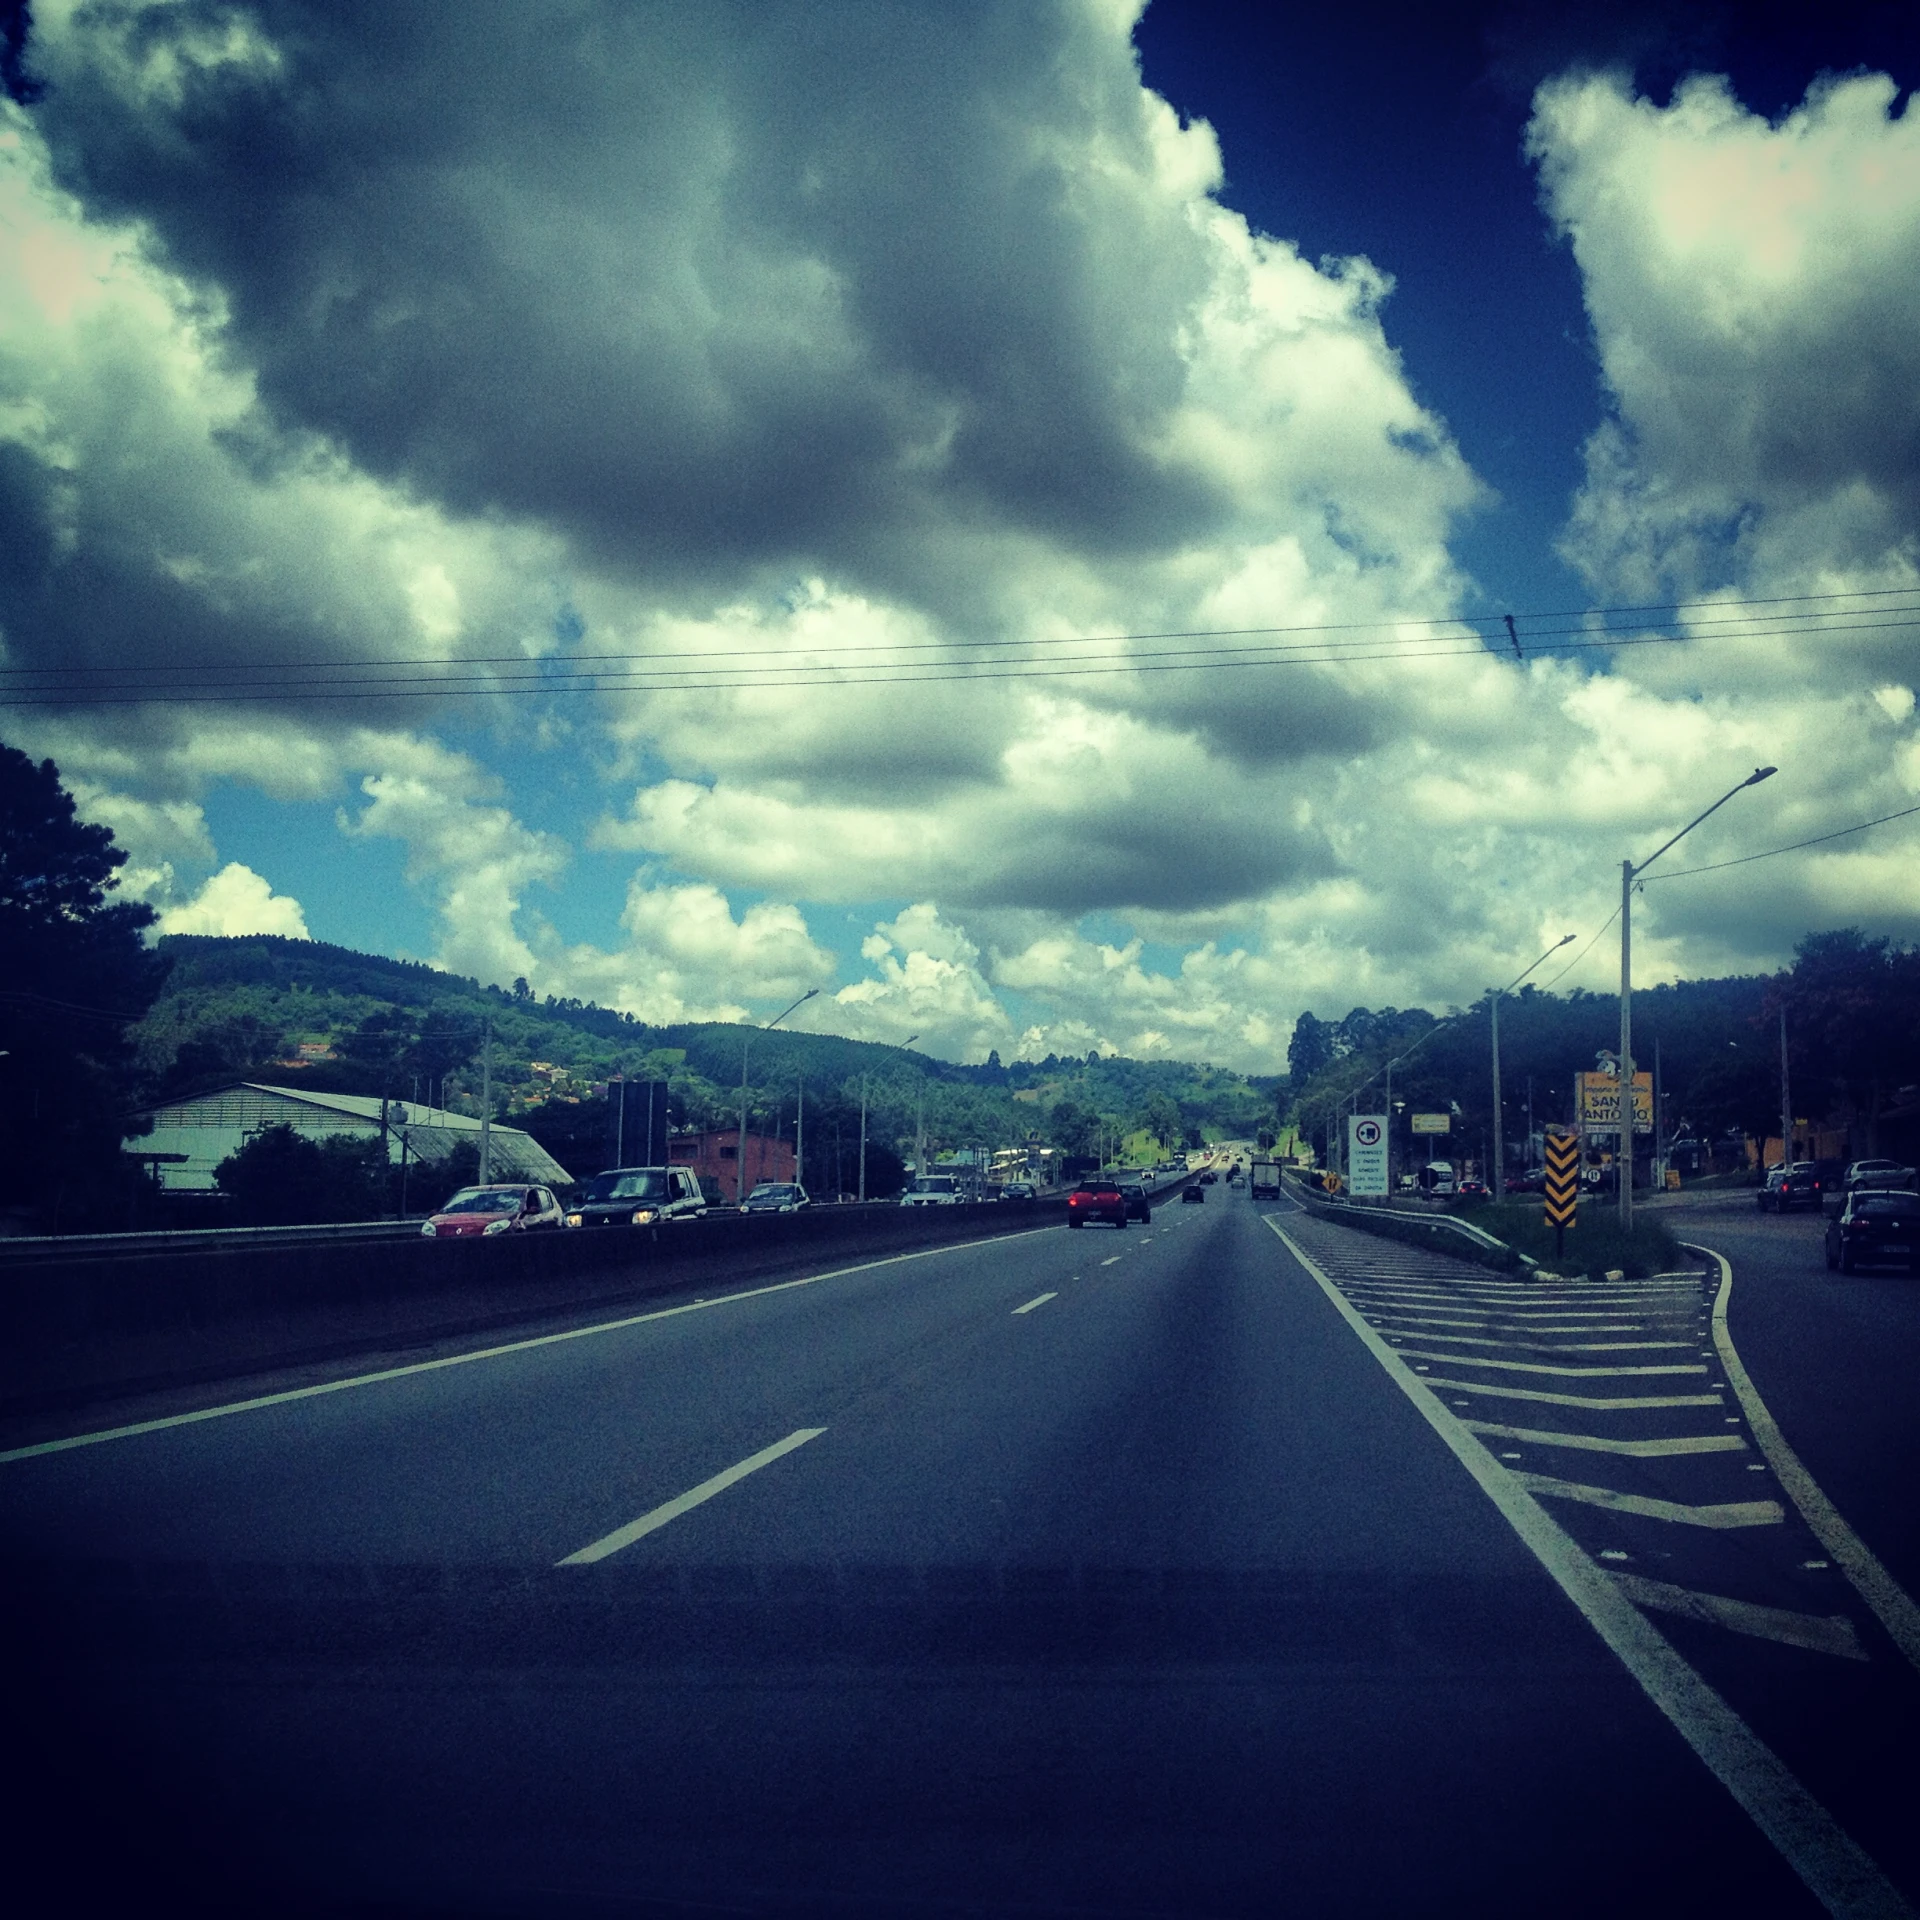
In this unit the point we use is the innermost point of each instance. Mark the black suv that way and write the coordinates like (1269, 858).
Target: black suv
(1134, 1193)
(638, 1197)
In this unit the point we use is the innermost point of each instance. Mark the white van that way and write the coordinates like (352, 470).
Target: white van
(1436, 1178)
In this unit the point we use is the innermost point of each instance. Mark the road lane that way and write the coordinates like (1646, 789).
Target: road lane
(1159, 1599)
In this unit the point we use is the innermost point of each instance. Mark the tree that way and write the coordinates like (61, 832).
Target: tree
(75, 974)
(280, 1178)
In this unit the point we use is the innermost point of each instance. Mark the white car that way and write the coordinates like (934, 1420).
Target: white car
(932, 1190)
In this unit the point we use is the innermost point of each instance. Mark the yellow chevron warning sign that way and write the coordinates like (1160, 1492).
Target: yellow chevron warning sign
(1563, 1175)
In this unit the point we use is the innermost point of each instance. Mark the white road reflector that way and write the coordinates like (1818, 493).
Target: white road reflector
(684, 1503)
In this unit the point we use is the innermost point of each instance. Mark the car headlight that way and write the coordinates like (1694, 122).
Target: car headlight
(645, 1217)
(576, 1220)
(496, 1226)
(429, 1231)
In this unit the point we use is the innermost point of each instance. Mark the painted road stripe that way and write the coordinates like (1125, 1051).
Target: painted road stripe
(1891, 1603)
(1534, 1366)
(685, 1503)
(1600, 1443)
(1721, 1515)
(1038, 1300)
(1110, 1261)
(1553, 1346)
(1836, 1869)
(490, 1353)
(1553, 1325)
(1821, 1632)
(1604, 1403)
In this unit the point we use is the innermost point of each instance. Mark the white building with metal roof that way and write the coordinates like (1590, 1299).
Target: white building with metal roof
(208, 1127)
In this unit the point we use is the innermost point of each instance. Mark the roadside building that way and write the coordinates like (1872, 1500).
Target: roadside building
(191, 1137)
(714, 1156)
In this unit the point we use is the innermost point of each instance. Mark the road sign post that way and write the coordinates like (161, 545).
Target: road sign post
(1367, 1155)
(1563, 1183)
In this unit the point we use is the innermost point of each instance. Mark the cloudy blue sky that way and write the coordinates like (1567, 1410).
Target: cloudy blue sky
(688, 503)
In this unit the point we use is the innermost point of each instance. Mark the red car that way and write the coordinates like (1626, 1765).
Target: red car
(1096, 1200)
(477, 1211)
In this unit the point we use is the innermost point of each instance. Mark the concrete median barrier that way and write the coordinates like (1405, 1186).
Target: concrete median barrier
(82, 1324)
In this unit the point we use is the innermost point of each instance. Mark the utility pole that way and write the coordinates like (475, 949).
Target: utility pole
(486, 1107)
(1786, 1101)
(800, 1137)
(863, 1139)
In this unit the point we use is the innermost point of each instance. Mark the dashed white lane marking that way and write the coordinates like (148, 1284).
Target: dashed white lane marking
(1891, 1603)
(1600, 1443)
(1039, 1300)
(1836, 1869)
(1633, 1401)
(1720, 1515)
(693, 1497)
(492, 1353)
(1111, 1261)
(1535, 1366)
(1820, 1632)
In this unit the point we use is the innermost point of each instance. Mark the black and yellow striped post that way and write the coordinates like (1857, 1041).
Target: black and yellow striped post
(1563, 1183)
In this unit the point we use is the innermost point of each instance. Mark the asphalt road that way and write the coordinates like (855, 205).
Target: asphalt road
(1080, 1572)
(1837, 1357)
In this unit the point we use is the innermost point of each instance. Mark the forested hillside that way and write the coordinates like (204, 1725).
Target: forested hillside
(1852, 1014)
(301, 1013)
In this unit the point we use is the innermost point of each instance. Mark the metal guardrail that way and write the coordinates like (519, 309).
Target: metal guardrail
(42, 1247)
(1431, 1223)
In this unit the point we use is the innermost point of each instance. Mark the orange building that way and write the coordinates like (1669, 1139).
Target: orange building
(714, 1156)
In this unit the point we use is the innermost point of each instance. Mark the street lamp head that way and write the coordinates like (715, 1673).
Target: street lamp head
(1758, 774)
(1564, 938)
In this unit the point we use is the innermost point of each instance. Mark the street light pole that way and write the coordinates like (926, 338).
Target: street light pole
(1629, 873)
(1499, 1115)
(740, 1152)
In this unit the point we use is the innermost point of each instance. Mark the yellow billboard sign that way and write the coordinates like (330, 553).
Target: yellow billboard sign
(1599, 1098)
(1433, 1123)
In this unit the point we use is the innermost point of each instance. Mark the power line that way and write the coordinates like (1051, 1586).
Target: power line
(898, 662)
(848, 670)
(1819, 839)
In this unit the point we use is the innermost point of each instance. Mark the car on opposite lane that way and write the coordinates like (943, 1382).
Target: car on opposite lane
(1096, 1199)
(476, 1213)
(638, 1197)
(933, 1190)
(777, 1196)
(1874, 1228)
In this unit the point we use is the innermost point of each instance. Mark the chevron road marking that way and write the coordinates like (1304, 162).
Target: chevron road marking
(1721, 1515)
(1602, 1443)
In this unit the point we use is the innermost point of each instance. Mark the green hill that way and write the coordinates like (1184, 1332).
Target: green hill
(299, 1012)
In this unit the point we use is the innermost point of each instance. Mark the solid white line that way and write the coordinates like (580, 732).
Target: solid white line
(1891, 1603)
(1820, 1633)
(684, 1503)
(1533, 1366)
(1837, 1870)
(1719, 1516)
(1600, 1402)
(1039, 1300)
(1600, 1443)
(489, 1353)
